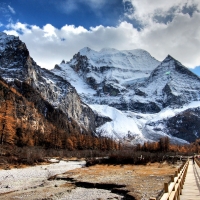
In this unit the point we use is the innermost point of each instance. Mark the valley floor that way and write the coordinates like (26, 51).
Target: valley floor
(73, 181)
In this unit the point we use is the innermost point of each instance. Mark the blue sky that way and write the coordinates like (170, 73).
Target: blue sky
(54, 30)
(61, 12)
(196, 70)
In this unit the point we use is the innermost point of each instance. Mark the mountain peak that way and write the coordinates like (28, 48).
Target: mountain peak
(172, 66)
(85, 50)
(106, 50)
(2, 34)
(4, 37)
(168, 58)
(170, 63)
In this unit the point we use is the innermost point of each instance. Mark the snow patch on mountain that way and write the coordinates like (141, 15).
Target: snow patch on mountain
(66, 72)
(138, 127)
(171, 77)
(136, 59)
(169, 112)
(121, 127)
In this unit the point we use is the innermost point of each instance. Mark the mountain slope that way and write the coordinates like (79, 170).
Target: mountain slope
(16, 64)
(170, 84)
(106, 77)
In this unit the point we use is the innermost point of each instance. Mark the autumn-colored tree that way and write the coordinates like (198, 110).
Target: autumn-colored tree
(70, 144)
(164, 143)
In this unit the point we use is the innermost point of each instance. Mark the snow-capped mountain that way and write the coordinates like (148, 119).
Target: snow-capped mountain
(107, 73)
(170, 84)
(135, 90)
(126, 95)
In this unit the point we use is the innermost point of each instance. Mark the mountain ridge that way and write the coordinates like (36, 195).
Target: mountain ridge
(126, 95)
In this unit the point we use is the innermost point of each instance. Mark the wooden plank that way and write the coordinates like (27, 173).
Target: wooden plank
(174, 188)
(191, 188)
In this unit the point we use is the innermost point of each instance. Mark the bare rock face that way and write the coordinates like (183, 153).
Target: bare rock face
(130, 81)
(185, 125)
(16, 64)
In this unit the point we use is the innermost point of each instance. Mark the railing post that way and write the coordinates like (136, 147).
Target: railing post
(176, 184)
(166, 187)
(178, 197)
(176, 173)
(172, 178)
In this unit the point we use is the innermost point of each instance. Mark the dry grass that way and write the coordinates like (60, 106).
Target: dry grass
(141, 181)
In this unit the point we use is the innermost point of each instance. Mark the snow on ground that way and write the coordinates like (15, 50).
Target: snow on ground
(31, 183)
(20, 179)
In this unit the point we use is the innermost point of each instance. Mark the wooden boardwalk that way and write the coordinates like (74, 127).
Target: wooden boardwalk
(191, 187)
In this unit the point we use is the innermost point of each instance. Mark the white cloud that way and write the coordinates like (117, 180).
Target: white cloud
(179, 37)
(11, 9)
(49, 45)
(146, 10)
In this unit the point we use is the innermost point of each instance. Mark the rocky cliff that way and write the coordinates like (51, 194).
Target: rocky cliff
(27, 119)
(17, 66)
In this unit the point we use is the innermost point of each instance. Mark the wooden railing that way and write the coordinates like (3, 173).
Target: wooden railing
(197, 161)
(173, 190)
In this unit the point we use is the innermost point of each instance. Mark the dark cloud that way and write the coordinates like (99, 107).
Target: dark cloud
(169, 15)
(165, 17)
(128, 8)
(128, 11)
(190, 9)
